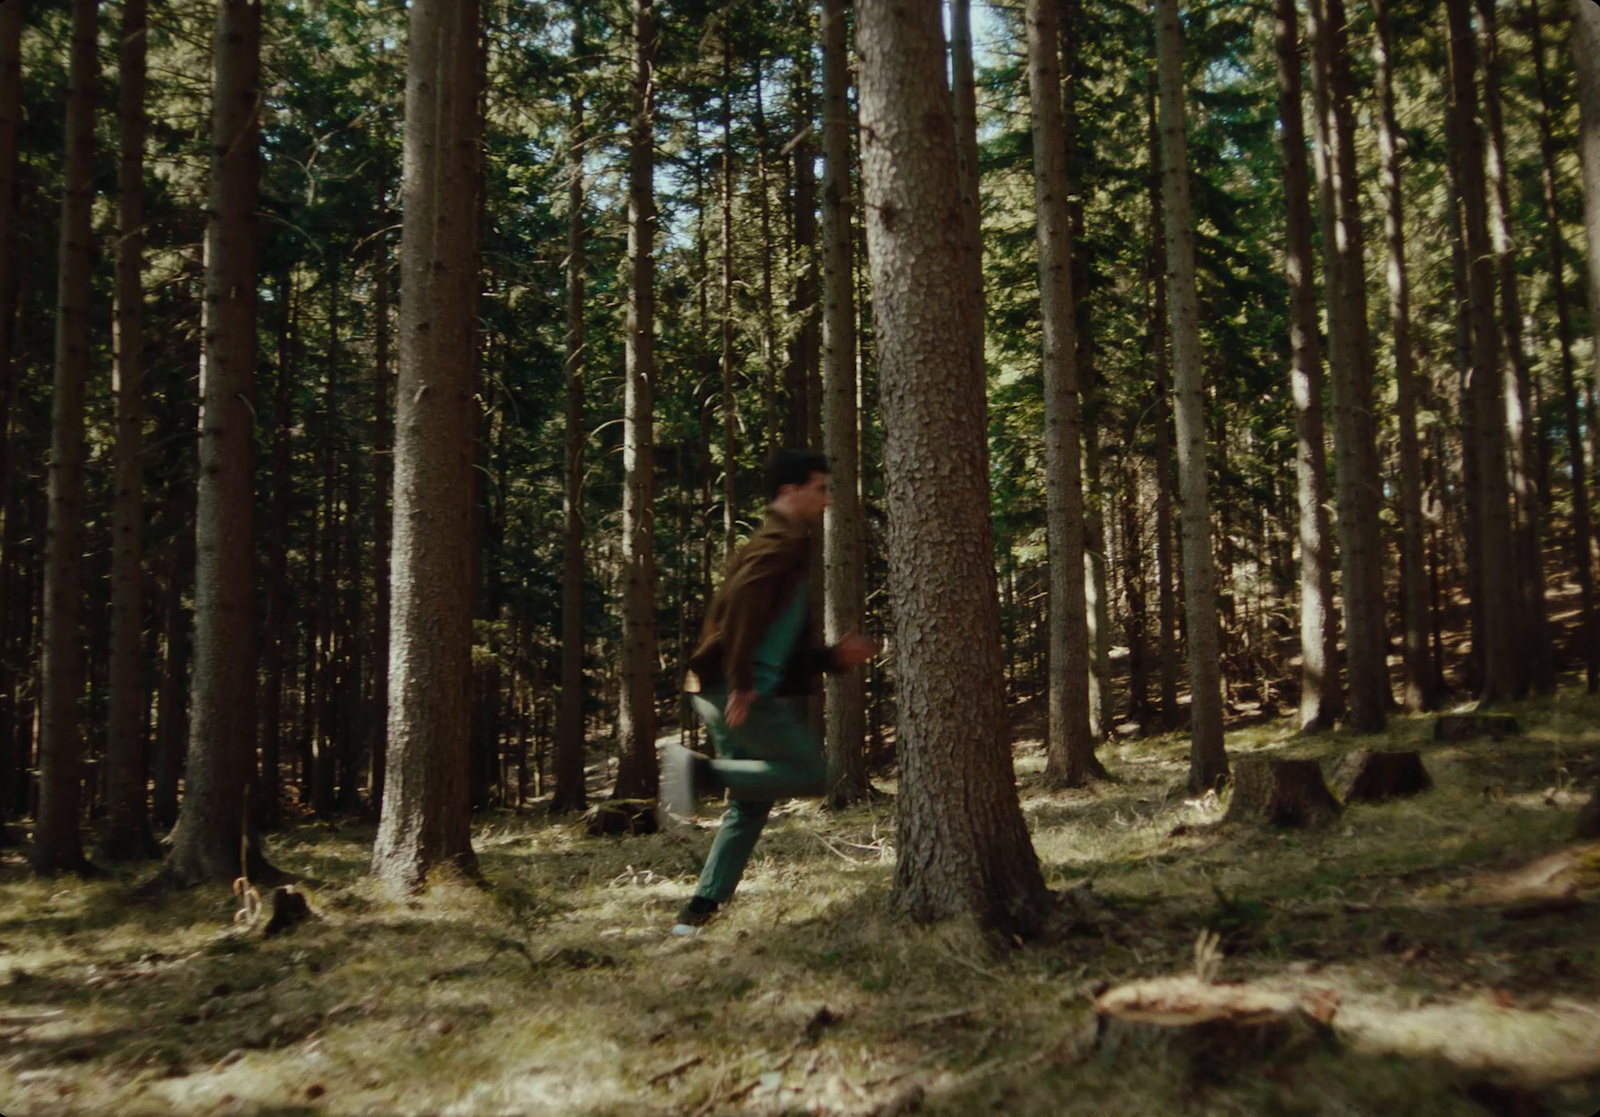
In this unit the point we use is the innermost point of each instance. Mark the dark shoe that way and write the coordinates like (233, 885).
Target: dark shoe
(685, 776)
(694, 915)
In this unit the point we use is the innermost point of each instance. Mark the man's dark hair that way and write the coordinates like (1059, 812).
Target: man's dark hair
(793, 467)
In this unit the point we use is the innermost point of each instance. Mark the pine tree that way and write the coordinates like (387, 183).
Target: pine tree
(1208, 762)
(963, 848)
(426, 819)
(57, 846)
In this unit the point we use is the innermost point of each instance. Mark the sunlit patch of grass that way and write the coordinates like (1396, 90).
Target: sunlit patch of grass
(553, 988)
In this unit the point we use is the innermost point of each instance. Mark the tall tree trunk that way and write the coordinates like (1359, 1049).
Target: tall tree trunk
(213, 823)
(1420, 693)
(843, 551)
(1350, 363)
(426, 820)
(1582, 531)
(382, 523)
(1487, 390)
(57, 845)
(276, 631)
(127, 833)
(636, 712)
(1534, 655)
(730, 433)
(570, 794)
(805, 394)
(1319, 676)
(1166, 615)
(1070, 759)
(1097, 600)
(1586, 64)
(1208, 763)
(963, 844)
(10, 119)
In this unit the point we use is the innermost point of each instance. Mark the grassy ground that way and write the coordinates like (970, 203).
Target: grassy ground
(554, 990)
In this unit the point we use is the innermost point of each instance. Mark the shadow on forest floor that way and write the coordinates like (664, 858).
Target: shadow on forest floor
(555, 990)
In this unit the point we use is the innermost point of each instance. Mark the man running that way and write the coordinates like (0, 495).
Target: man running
(750, 676)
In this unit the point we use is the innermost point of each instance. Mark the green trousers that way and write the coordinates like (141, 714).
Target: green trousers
(773, 755)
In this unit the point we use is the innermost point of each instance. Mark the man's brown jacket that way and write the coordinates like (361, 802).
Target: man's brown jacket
(761, 583)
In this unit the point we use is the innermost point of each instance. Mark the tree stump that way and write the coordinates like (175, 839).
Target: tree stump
(289, 908)
(621, 816)
(1280, 793)
(1211, 1029)
(1464, 727)
(1371, 777)
(1589, 817)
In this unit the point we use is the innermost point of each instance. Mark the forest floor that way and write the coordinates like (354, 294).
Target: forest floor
(555, 989)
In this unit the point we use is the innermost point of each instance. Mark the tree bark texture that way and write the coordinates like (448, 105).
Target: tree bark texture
(636, 714)
(963, 845)
(964, 101)
(843, 553)
(57, 845)
(1420, 692)
(570, 793)
(1351, 366)
(1319, 675)
(1070, 759)
(127, 833)
(1208, 763)
(426, 819)
(1499, 681)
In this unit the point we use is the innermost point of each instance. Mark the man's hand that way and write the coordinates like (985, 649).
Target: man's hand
(738, 707)
(855, 649)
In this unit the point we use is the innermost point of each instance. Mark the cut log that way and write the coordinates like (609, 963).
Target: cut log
(1464, 727)
(1211, 1029)
(621, 816)
(1589, 817)
(1366, 776)
(1280, 793)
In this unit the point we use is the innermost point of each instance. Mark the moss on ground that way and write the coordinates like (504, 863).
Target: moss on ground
(554, 989)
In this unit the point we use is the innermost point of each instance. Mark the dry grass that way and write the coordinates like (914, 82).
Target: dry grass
(554, 990)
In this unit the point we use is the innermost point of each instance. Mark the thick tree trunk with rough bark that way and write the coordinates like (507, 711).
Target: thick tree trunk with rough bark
(1420, 691)
(1350, 365)
(127, 832)
(1319, 676)
(426, 821)
(636, 714)
(1070, 759)
(57, 845)
(964, 102)
(222, 727)
(963, 847)
(1499, 680)
(842, 546)
(570, 793)
(1208, 762)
